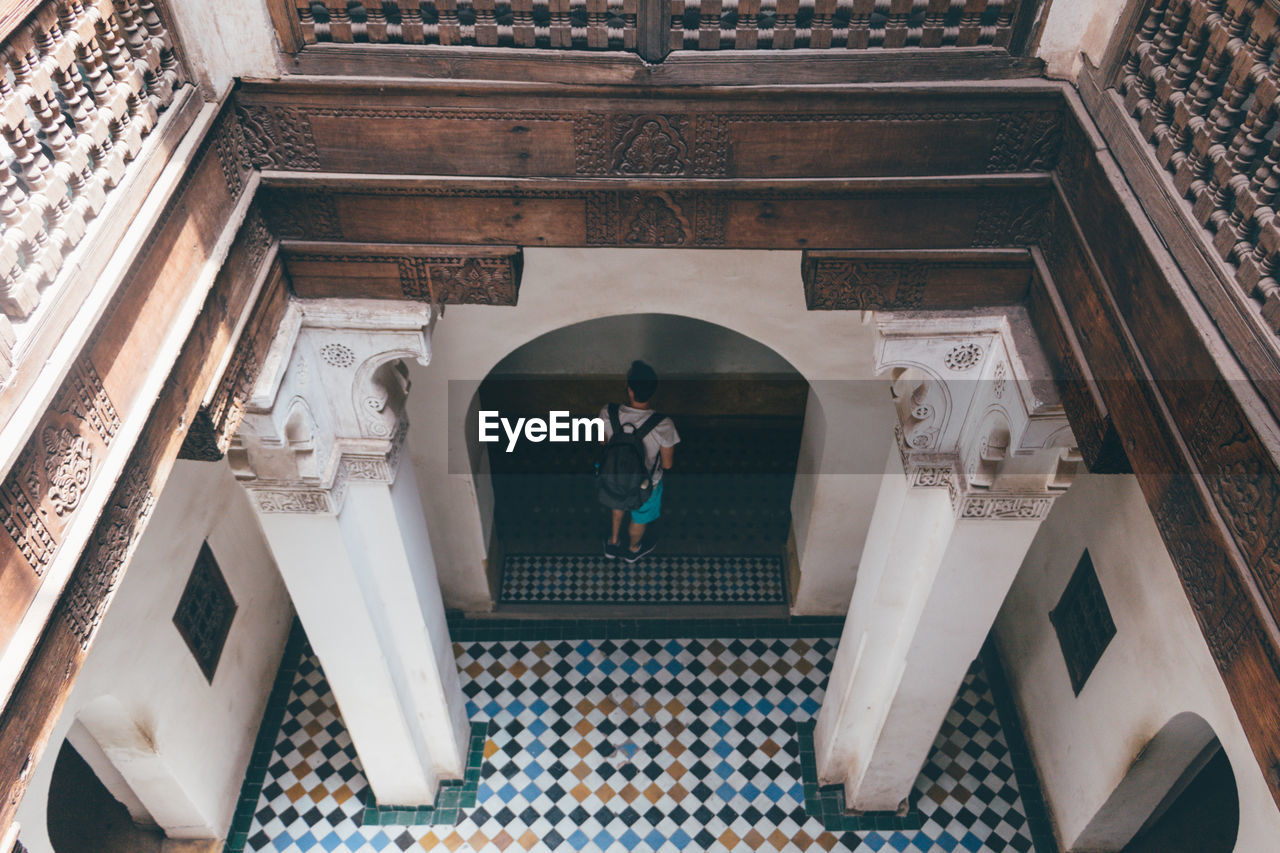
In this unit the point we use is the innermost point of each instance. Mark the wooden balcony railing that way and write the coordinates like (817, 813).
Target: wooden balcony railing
(1202, 77)
(83, 85)
(664, 25)
(582, 24)
(851, 24)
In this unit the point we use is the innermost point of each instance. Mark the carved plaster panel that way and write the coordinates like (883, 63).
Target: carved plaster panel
(329, 408)
(974, 415)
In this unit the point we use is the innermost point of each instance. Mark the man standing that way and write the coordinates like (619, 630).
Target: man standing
(639, 447)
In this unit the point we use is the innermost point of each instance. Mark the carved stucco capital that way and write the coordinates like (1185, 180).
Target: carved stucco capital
(328, 408)
(978, 412)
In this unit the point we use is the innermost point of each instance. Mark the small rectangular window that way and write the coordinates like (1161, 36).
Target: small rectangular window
(1083, 622)
(205, 611)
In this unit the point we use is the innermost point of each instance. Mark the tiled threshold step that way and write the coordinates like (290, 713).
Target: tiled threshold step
(655, 579)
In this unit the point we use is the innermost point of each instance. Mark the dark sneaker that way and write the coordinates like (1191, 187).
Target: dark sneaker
(645, 548)
(612, 551)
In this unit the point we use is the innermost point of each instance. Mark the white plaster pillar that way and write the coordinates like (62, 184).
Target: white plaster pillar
(131, 747)
(981, 451)
(320, 453)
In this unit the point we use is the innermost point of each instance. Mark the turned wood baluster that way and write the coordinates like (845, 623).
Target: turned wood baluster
(561, 26)
(66, 225)
(375, 23)
(486, 26)
(19, 294)
(1209, 191)
(1202, 91)
(447, 27)
(597, 24)
(411, 28)
(1232, 239)
(170, 73)
(820, 25)
(746, 35)
(860, 24)
(971, 23)
(38, 214)
(935, 23)
(895, 28)
(29, 159)
(709, 24)
(133, 27)
(340, 30)
(146, 49)
(629, 10)
(522, 29)
(1159, 124)
(1004, 23)
(784, 24)
(306, 21)
(1155, 66)
(1134, 83)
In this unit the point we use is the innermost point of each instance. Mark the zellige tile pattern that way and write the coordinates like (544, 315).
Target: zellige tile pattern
(655, 579)
(650, 744)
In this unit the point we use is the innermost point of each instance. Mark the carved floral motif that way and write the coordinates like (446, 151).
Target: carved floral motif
(655, 222)
(653, 146)
(48, 481)
(68, 461)
(844, 284)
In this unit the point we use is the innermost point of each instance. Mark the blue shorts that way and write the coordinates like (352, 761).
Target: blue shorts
(650, 509)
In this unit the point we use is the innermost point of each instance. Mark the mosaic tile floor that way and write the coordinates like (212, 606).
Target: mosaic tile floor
(612, 745)
(655, 579)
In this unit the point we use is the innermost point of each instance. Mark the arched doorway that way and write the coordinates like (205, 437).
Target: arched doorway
(739, 408)
(1178, 796)
(1204, 817)
(83, 816)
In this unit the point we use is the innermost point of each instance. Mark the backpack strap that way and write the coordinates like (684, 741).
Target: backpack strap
(650, 422)
(614, 423)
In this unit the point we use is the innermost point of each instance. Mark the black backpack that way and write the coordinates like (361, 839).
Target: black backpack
(624, 477)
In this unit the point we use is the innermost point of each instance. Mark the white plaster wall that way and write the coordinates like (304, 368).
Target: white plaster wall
(225, 40)
(1074, 26)
(1156, 666)
(758, 294)
(204, 733)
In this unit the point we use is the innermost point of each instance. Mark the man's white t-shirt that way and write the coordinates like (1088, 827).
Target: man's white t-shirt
(662, 435)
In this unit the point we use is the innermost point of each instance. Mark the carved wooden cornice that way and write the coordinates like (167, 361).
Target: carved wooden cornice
(903, 281)
(441, 275)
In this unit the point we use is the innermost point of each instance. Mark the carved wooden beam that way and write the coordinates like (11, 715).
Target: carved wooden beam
(448, 275)
(77, 501)
(219, 416)
(1078, 389)
(479, 129)
(906, 281)
(1202, 444)
(899, 213)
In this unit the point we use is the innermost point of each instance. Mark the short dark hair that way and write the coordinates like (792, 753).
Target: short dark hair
(642, 380)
